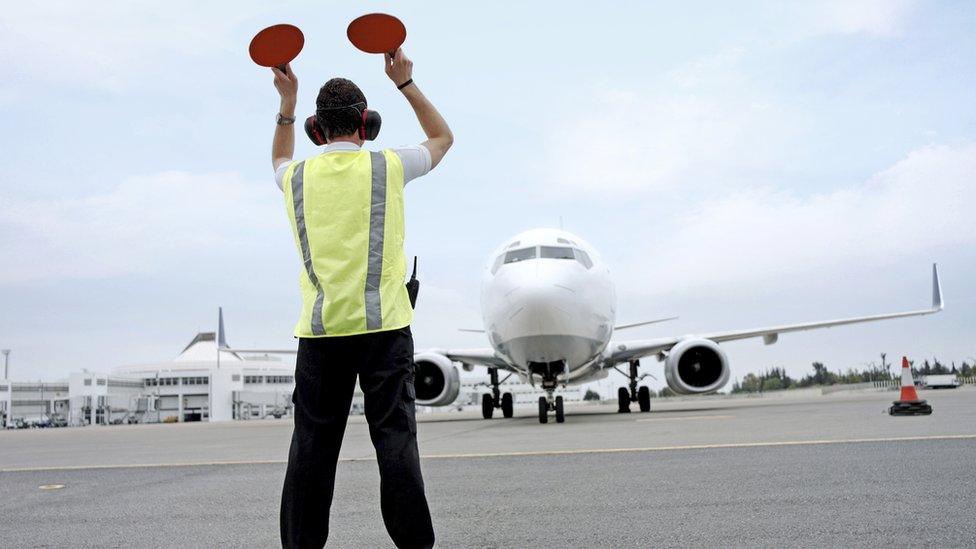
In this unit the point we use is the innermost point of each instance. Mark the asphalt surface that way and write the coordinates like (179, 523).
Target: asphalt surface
(822, 471)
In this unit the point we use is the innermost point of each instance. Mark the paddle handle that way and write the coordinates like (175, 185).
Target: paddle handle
(283, 68)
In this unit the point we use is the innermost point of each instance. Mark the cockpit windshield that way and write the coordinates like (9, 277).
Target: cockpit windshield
(557, 252)
(522, 254)
(544, 252)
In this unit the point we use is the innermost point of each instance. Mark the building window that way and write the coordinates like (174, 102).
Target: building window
(235, 377)
(87, 381)
(200, 380)
(281, 379)
(253, 379)
(99, 382)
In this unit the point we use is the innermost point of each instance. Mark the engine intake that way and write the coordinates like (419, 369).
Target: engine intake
(696, 366)
(437, 382)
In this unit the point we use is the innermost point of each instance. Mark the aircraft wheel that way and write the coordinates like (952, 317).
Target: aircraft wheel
(623, 399)
(508, 405)
(487, 406)
(543, 410)
(644, 399)
(560, 416)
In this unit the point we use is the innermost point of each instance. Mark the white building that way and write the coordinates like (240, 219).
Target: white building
(199, 384)
(33, 402)
(473, 386)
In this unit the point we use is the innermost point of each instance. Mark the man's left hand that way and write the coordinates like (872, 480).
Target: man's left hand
(287, 85)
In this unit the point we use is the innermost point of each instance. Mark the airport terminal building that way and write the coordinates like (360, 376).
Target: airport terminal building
(201, 384)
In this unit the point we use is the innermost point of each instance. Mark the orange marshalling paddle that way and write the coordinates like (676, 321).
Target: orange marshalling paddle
(276, 46)
(377, 33)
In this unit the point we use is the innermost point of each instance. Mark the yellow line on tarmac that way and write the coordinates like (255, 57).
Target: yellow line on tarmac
(701, 447)
(682, 418)
(141, 465)
(513, 454)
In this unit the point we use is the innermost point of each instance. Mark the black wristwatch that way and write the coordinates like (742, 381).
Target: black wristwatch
(284, 120)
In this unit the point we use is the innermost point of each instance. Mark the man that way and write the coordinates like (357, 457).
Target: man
(346, 211)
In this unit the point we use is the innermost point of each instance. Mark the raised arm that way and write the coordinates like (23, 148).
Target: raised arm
(439, 137)
(283, 144)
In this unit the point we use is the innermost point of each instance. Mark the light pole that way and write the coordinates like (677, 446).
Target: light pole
(6, 363)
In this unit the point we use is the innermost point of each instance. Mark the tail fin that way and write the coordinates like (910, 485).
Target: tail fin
(221, 335)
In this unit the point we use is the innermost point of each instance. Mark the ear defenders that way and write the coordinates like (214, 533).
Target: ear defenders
(369, 127)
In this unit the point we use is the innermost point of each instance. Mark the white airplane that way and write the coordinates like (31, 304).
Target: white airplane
(549, 307)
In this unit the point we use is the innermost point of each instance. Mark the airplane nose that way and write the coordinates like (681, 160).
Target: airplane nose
(539, 306)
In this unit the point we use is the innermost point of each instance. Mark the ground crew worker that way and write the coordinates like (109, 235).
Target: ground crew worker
(345, 206)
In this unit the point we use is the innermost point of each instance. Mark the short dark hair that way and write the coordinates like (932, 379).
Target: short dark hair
(340, 92)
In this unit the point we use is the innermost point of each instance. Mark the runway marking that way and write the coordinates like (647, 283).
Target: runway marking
(683, 418)
(513, 454)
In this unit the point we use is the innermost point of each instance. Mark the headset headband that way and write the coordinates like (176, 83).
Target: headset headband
(353, 106)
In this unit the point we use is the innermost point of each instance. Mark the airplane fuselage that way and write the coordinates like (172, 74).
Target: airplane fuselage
(547, 298)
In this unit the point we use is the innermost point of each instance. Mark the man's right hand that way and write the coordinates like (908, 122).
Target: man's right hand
(439, 137)
(398, 67)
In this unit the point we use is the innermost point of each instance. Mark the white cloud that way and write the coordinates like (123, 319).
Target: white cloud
(872, 17)
(921, 204)
(110, 45)
(699, 124)
(145, 224)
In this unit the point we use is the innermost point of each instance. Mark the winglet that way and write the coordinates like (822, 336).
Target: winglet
(937, 304)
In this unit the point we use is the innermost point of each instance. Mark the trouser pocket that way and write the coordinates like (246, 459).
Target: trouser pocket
(407, 402)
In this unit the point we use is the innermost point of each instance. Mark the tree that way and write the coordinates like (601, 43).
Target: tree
(751, 383)
(591, 395)
(772, 384)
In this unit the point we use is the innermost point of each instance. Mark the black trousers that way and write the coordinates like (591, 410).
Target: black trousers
(325, 378)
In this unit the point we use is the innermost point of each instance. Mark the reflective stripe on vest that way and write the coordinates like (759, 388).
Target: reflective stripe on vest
(298, 199)
(377, 226)
(346, 212)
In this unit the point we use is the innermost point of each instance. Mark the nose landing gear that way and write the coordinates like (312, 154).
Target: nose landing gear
(549, 404)
(640, 395)
(497, 399)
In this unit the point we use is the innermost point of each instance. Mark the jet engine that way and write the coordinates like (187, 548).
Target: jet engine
(437, 382)
(696, 366)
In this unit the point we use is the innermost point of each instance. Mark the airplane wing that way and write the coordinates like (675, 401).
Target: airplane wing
(625, 351)
(479, 357)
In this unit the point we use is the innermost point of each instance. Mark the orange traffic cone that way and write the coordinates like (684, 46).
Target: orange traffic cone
(908, 404)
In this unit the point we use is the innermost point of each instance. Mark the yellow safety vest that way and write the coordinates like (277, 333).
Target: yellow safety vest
(346, 213)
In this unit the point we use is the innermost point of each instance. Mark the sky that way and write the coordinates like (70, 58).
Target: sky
(738, 164)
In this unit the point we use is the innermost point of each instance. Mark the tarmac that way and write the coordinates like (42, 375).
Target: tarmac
(831, 470)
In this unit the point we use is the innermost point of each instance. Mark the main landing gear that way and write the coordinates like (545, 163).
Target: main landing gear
(641, 395)
(497, 399)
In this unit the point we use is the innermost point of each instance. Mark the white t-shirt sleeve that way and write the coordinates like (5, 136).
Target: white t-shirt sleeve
(415, 160)
(280, 175)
